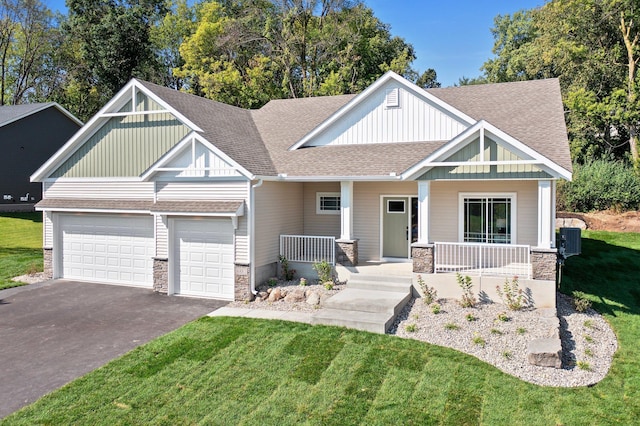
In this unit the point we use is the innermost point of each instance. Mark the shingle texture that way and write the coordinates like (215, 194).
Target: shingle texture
(9, 113)
(229, 207)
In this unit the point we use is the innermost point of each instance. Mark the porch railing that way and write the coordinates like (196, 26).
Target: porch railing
(308, 248)
(483, 259)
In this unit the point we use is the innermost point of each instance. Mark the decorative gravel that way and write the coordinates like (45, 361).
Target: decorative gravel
(30, 278)
(588, 341)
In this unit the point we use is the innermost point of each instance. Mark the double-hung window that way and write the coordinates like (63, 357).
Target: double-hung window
(488, 218)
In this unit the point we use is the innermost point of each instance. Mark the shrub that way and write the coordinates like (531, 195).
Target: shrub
(451, 326)
(507, 355)
(478, 340)
(436, 308)
(303, 281)
(502, 316)
(521, 330)
(272, 282)
(512, 296)
(496, 331)
(580, 301)
(411, 328)
(601, 185)
(467, 300)
(324, 270)
(470, 317)
(429, 294)
(583, 365)
(287, 273)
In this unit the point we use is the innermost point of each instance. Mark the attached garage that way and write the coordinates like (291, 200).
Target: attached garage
(203, 259)
(117, 249)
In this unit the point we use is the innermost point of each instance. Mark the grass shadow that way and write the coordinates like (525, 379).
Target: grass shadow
(35, 217)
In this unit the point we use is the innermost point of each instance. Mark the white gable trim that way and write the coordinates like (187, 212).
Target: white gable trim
(483, 128)
(390, 75)
(98, 120)
(182, 145)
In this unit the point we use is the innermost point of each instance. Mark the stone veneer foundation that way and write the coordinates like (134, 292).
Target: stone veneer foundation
(422, 255)
(161, 275)
(242, 287)
(47, 254)
(347, 252)
(543, 264)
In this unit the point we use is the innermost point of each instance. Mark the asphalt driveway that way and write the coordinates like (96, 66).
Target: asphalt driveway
(54, 332)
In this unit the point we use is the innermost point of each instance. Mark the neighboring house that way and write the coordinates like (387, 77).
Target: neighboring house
(29, 135)
(189, 196)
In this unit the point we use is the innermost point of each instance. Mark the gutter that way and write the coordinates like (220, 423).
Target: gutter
(252, 223)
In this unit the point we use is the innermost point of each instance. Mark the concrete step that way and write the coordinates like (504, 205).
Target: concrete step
(380, 283)
(355, 299)
(375, 322)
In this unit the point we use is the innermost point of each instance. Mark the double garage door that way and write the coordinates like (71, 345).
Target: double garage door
(119, 249)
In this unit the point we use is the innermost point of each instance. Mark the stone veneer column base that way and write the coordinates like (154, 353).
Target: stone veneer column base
(47, 254)
(347, 252)
(543, 263)
(161, 275)
(422, 255)
(242, 287)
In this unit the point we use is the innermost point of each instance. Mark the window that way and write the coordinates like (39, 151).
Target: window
(488, 219)
(327, 203)
(395, 206)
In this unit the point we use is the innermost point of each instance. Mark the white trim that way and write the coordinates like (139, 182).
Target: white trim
(91, 210)
(514, 211)
(424, 213)
(388, 76)
(92, 179)
(286, 178)
(134, 113)
(319, 195)
(346, 210)
(545, 205)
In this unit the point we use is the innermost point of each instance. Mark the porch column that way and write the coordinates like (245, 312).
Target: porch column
(346, 210)
(546, 228)
(424, 187)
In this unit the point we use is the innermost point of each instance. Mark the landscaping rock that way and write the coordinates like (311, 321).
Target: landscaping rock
(313, 298)
(275, 295)
(263, 295)
(295, 295)
(545, 353)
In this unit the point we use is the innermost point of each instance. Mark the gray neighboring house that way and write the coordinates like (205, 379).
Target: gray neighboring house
(188, 196)
(29, 135)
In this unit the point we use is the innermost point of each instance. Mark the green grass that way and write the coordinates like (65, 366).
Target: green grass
(20, 246)
(246, 371)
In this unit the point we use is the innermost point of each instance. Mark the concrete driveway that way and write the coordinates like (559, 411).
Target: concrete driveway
(54, 332)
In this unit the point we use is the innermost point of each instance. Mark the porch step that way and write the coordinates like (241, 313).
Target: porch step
(380, 283)
(375, 322)
(375, 301)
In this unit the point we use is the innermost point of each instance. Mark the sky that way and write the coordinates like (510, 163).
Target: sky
(452, 37)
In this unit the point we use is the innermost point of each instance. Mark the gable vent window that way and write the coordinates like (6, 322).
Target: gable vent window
(393, 98)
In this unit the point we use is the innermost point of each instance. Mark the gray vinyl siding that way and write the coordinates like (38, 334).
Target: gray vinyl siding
(47, 229)
(320, 224)
(366, 219)
(143, 103)
(99, 189)
(242, 240)
(279, 210)
(211, 190)
(124, 147)
(445, 207)
(162, 236)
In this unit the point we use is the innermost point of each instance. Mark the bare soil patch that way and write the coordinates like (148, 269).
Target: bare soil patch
(607, 220)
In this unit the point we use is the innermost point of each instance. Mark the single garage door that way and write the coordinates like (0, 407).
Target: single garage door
(113, 249)
(204, 258)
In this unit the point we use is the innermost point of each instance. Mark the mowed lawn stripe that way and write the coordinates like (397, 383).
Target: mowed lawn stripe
(20, 246)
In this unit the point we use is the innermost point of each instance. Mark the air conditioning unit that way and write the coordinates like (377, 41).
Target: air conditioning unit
(570, 242)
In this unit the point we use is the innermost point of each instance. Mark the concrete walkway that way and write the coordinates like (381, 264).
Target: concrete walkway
(263, 314)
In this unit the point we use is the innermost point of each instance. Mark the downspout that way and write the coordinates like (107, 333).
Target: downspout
(252, 225)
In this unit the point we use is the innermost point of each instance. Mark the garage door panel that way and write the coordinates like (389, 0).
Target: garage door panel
(204, 258)
(117, 249)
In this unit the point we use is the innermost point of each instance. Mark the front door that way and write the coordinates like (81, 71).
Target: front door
(398, 222)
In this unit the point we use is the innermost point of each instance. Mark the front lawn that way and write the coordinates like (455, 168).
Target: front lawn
(244, 371)
(20, 246)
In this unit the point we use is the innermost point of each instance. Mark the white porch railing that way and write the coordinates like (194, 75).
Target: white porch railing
(483, 259)
(308, 248)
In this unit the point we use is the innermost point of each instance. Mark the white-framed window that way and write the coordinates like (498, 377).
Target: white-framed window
(396, 206)
(488, 218)
(327, 203)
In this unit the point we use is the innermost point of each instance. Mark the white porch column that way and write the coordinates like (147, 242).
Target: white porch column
(424, 188)
(346, 210)
(546, 210)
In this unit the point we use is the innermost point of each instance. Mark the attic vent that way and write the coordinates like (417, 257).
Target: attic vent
(393, 98)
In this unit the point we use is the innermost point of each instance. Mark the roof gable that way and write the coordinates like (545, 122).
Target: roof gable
(12, 113)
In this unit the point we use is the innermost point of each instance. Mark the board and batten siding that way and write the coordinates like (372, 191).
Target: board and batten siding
(416, 119)
(279, 210)
(124, 147)
(366, 215)
(211, 190)
(320, 224)
(444, 207)
(99, 189)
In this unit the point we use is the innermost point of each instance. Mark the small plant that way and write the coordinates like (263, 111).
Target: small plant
(496, 331)
(324, 270)
(470, 317)
(303, 281)
(502, 316)
(521, 330)
(580, 301)
(478, 340)
(451, 326)
(272, 282)
(411, 328)
(588, 338)
(328, 285)
(510, 293)
(507, 355)
(429, 294)
(588, 352)
(287, 273)
(588, 324)
(416, 317)
(584, 365)
(467, 300)
(436, 308)
(32, 269)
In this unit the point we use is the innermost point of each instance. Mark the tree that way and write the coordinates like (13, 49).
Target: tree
(428, 79)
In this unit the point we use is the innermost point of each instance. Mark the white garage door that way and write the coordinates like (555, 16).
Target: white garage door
(114, 249)
(204, 258)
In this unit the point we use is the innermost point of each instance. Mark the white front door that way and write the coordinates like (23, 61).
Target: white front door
(203, 258)
(115, 249)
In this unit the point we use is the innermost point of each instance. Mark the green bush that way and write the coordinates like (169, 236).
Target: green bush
(600, 185)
